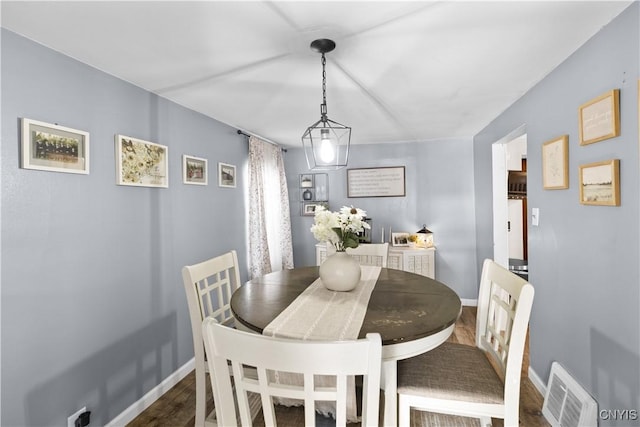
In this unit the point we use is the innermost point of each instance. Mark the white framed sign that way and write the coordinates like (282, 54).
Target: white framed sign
(376, 182)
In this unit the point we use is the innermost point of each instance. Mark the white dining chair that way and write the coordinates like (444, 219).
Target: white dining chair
(375, 254)
(459, 379)
(209, 286)
(268, 355)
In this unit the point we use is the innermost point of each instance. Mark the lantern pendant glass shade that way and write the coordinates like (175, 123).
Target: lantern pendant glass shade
(326, 145)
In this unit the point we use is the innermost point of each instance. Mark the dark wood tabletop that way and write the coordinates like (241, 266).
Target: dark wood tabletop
(403, 306)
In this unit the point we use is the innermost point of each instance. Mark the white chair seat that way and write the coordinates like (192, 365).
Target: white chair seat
(451, 372)
(460, 380)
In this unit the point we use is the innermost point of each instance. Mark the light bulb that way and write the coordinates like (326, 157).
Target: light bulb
(326, 147)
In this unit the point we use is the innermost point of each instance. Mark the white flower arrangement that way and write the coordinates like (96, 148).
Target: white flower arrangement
(339, 228)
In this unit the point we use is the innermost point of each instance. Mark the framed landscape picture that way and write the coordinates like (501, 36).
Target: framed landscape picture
(194, 170)
(141, 163)
(226, 175)
(600, 183)
(54, 148)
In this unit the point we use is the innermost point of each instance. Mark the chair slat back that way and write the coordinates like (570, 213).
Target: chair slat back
(504, 307)
(337, 359)
(209, 286)
(375, 254)
(212, 282)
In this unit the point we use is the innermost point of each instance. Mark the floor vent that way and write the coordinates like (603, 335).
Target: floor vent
(566, 403)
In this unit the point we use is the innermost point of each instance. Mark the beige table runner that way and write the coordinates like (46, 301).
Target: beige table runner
(319, 314)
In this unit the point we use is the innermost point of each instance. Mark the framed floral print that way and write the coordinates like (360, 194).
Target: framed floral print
(141, 163)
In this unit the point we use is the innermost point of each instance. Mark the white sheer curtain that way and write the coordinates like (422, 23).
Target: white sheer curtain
(270, 247)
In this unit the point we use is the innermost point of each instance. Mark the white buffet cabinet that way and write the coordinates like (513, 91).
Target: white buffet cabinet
(414, 260)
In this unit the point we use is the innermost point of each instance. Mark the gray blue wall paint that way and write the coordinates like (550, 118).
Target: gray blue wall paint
(93, 311)
(439, 193)
(93, 308)
(583, 260)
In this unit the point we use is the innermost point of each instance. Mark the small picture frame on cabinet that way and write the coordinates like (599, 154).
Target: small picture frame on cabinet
(400, 239)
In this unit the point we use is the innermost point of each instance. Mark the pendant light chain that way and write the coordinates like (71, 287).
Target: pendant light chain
(323, 107)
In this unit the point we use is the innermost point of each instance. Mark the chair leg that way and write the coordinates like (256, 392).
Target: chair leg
(201, 398)
(486, 422)
(404, 412)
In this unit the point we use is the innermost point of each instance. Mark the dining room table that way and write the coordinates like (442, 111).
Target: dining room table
(412, 313)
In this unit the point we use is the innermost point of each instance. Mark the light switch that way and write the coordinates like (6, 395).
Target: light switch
(535, 216)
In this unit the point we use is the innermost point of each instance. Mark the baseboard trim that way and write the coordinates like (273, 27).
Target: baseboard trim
(537, 382)
(469, 302)
(152, 395)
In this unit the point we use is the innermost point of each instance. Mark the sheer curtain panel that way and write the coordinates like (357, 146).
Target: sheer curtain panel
(270, 247)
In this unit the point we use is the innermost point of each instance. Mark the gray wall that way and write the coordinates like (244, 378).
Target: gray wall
(439, 193)
(583, 259)
(93, 308)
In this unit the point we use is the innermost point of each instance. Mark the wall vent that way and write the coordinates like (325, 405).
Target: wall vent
(567, 403)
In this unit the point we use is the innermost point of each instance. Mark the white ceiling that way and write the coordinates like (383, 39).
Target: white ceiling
(401, 71)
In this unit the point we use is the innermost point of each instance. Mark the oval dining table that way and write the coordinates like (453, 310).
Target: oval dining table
(412, 313)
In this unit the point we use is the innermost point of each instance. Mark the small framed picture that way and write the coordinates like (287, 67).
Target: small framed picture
(226, 175)
(194, 170)
(555, 163)
(600, 183)
(306, 180)
(599, 119)
(54, 148)
(141, 163)
(400, 239)
(309, 209)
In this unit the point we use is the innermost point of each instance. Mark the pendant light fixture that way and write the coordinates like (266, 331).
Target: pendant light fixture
(326, 143)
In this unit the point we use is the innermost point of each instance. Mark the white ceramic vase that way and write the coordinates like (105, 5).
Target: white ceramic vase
(340, 272)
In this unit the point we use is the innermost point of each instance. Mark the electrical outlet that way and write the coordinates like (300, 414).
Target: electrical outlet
(71, 421)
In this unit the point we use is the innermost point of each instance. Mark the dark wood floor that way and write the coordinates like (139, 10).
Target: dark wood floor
(176, 407)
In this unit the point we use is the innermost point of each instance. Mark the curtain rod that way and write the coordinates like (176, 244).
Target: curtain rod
(266, 140)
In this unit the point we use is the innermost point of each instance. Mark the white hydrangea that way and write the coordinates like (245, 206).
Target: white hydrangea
(340, 228)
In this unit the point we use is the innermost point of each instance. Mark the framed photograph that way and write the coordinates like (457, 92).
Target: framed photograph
(54, 148)
(555, 163)
(376, 182)
(400, 239)
(309, 209)
(194, 170)
(226, 175)
(600, 183)
(306, 180)
(599, 118)
(141, 163)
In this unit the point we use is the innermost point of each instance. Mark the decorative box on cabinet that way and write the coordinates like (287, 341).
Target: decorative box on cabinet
(414, 260)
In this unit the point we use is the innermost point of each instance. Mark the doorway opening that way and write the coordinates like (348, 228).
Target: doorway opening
(510, 239)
